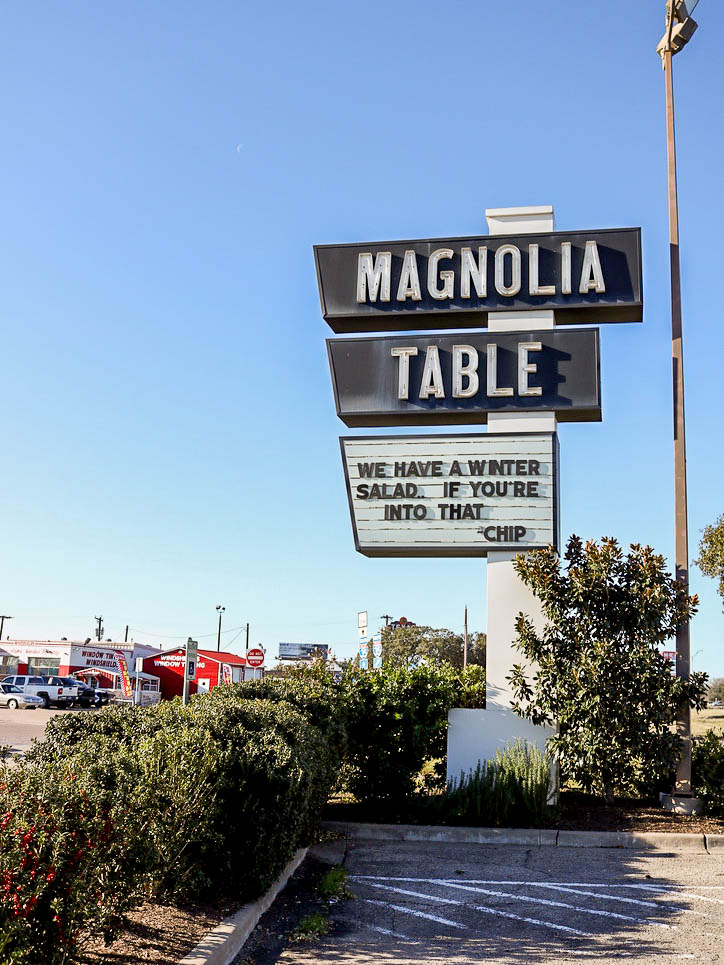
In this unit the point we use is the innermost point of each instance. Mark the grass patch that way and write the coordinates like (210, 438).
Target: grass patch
(313, 926)
(703, 720)
(333, 886)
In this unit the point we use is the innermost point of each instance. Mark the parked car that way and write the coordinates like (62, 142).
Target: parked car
(13, 697)
(50, 694)
(88, 696)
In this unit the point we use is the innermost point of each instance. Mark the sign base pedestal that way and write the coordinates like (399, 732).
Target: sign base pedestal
(476, 735)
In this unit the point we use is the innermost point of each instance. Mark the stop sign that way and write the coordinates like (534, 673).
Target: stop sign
(255, 657)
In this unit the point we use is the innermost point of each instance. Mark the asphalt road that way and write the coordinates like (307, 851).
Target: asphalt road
(19, 727)
(451, 904)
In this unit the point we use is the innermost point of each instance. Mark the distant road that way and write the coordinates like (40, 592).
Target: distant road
(19, 727)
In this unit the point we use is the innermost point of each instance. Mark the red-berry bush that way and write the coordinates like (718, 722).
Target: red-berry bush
(61, 864)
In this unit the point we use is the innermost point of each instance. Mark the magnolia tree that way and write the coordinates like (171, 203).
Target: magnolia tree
(711, 553)
(601, 676)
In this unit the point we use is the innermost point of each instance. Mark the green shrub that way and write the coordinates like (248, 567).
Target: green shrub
(708, 770)
(396, 720)
(209, 800)
(68, 859)
(511, 790)
(312, 691)
(228, 787)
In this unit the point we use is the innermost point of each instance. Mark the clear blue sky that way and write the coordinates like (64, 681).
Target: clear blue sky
(169, 438)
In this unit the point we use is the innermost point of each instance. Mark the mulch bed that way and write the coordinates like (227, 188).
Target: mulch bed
(576, 812)
(155, 934)
(581, 812)
(163, 934)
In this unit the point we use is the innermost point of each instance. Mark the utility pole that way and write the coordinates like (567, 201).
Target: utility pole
(220, 610)
(386, 617)
(3, 618)
(125, 639)
(680, 26)
(247, 636)
(99, 628)
(465, 641)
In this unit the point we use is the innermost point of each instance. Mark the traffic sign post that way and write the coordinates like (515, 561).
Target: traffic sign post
(255, 657)
(138, 668)
(191, 663)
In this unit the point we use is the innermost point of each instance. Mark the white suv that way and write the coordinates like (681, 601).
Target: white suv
(50, 694)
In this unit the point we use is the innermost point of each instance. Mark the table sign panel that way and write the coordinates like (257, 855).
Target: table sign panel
(440, 283)
(452, 495)
(458, 378)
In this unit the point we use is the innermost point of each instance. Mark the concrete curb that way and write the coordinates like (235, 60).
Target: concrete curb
(532, 837)
(223, 943)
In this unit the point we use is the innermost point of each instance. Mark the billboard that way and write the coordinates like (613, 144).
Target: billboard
(303, 651)
(452, 495)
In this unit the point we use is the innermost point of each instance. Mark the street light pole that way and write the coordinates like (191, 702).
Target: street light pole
(679, 28)
(218, 638)
(2, 624)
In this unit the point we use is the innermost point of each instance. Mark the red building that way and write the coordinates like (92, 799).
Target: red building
(95, 662)
(214, 668)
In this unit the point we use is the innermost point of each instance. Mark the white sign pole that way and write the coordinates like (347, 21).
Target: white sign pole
(138, 667)
(192, 650)
(470, 738)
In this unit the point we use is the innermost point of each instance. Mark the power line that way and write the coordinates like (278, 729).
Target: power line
(196, 636)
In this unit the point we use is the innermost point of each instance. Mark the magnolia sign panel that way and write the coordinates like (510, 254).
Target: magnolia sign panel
(461, 377)
(452, 495)
(583, 276)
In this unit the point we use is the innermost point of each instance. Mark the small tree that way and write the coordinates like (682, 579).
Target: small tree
(711, 553)
(716, 689)
(601, 674)
(411, 645)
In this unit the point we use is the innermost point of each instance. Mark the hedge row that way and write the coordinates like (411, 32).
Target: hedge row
(210, 800)
(204, 801)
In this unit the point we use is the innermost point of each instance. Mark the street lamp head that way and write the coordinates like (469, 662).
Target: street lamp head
(680, 26)
(682, 34)
(221, 608)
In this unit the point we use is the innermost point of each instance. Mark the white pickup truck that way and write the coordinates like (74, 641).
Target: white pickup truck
(50, 694)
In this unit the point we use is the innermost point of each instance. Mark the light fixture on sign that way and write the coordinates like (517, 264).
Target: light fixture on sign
(681, 26)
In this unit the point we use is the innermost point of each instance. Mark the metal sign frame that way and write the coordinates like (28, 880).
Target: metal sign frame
(618, 249)
(450, 551)
(365, 377)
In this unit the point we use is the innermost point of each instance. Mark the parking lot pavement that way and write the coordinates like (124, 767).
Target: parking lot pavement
(19, 727)
(449, 904)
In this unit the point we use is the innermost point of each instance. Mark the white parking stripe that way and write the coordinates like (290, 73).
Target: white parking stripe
(484, 908)
(684, 894)
(546, 901)
(532, 921)
(378, 928)
(567, 884)
(417, 914)
(418, 894)
(566, 888)
(386, 931)
(629, 901)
